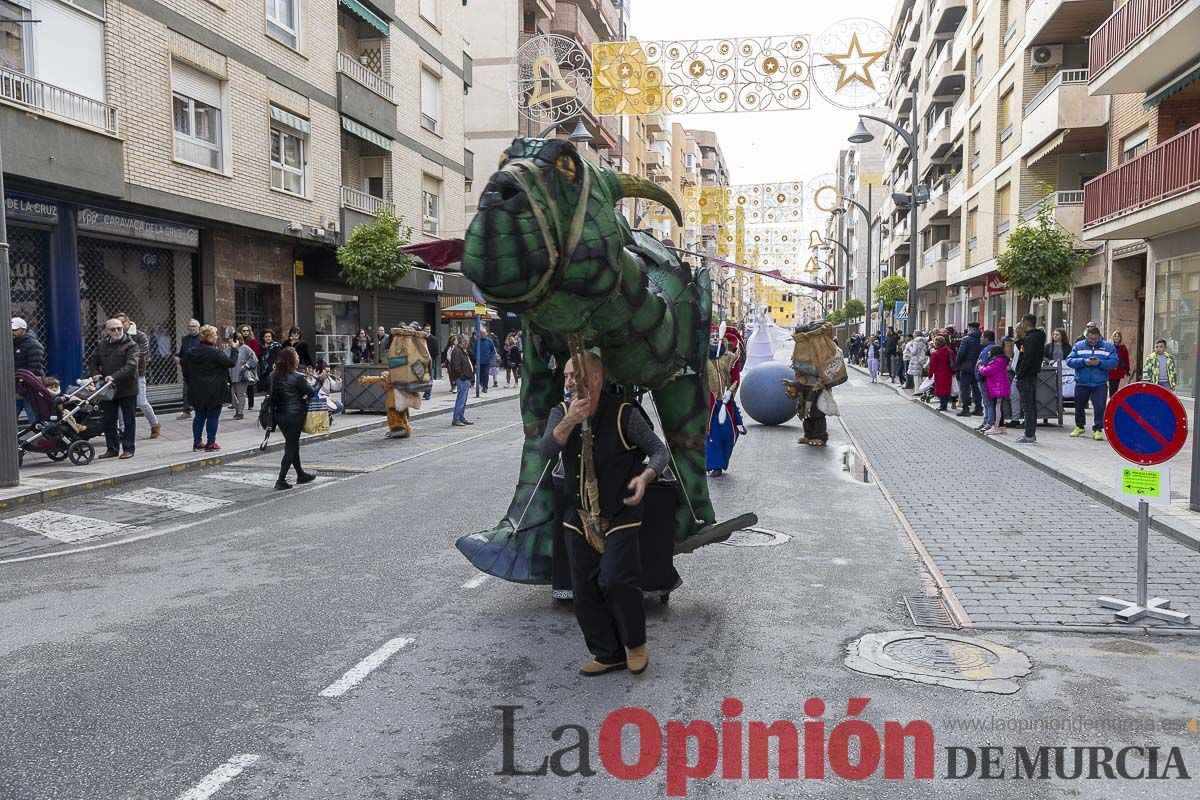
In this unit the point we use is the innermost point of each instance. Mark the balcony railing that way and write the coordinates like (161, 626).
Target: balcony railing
(1170, 169)
(1071, 198)
(366, 203)
(940, 124)
(348, 65)
(1065, 76)
(1128, 24)
(939, 252)
(46, 98)
(955, 250)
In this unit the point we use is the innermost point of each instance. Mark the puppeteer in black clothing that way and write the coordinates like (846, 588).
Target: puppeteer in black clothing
(605, 582)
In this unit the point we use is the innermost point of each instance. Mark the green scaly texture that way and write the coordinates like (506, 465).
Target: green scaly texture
(626, 294)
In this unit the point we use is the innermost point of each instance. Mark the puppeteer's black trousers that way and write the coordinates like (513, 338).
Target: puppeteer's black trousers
(608, 602)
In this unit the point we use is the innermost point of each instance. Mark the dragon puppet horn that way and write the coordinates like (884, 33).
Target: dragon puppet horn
(632, 186)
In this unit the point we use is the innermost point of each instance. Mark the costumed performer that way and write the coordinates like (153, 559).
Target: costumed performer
(724, 416)
(818, 366)
(603, 443)
(409, 374)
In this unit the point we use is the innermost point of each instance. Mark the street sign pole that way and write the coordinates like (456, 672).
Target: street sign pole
(1147, 425)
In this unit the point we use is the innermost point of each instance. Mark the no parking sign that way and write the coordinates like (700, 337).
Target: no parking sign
(1146, 424)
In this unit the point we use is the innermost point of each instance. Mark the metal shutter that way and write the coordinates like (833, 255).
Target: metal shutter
(196, 84)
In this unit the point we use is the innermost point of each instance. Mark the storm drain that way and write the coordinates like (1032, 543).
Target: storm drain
(757, 537)
(941, 659)
(930, 612)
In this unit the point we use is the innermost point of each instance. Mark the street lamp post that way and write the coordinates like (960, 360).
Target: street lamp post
(861, 136)
(846, 277)
(872, 223)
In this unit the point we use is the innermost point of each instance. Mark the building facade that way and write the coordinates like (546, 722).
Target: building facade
(205, 157)
(1144, 63)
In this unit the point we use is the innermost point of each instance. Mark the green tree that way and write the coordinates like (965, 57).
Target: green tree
(836, 317)
(373, 258)
(855, 308)
(891, 289)
(1040, 259)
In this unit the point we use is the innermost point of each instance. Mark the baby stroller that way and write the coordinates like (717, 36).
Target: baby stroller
(74, 420)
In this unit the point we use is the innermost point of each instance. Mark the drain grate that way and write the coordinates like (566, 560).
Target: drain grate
(942, 659)
(930, 612)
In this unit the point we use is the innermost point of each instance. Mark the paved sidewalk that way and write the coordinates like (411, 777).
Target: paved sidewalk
(1015, 547)
(43, 479)
(1089, 465)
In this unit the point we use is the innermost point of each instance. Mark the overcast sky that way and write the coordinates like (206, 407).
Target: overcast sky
(773, 145)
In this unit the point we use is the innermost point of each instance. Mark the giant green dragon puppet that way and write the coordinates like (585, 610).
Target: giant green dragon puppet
(549, 244)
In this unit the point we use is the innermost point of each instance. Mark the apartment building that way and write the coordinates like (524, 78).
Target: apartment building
(996, 95)
(856, 256)
(497, 29)
(1144, 63)
(204, 158)
(705, 167)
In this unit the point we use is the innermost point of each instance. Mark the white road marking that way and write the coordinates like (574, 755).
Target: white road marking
(248, 477)
(365, 667)
(68, 527)
(476, 582)
(182, 526)
(211, 783)
(176, 501)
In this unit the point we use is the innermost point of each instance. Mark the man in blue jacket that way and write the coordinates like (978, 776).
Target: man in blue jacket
(1092, 358)
(968, 354)
(487, 351)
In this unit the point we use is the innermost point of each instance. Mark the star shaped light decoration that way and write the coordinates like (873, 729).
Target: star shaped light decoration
(855, 65)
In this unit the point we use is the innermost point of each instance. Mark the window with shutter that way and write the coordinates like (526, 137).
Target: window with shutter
(431, 101)
(283, 21)
(431, 205)
(197, 113)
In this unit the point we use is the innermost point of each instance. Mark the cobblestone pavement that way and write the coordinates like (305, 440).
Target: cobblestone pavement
(1016, 546)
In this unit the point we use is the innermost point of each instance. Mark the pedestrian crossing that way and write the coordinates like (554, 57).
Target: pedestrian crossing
(173, 501)
(67, 528)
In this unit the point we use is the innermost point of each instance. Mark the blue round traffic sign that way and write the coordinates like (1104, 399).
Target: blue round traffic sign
(1146, 423)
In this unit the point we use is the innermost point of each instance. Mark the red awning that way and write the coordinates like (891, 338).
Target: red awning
(437, 254)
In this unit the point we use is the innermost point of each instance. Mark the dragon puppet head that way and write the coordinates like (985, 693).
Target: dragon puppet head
(547, 239)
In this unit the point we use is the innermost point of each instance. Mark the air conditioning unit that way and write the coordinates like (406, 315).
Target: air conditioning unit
(1046, 56)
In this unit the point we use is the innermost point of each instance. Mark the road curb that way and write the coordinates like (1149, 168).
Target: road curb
(1130, 630)
(85, 486)
(955, 608)
(1068, 476)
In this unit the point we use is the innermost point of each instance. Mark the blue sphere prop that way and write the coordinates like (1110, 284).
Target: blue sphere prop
(763, 397)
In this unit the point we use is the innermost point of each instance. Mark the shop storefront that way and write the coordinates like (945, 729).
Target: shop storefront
(1177, 314)
(73, 267)
(997, 306)
(145, 268)
(330, 313)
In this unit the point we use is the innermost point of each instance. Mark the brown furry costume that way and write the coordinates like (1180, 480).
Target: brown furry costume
(818, 366)
(409, 374)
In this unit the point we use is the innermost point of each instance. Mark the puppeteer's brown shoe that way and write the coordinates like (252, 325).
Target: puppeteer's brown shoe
(593, 668)
(637, 659)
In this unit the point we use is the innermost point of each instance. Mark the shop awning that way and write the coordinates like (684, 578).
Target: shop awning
(366, 15)
(365, 133)
(291, 120)
(437, 254)
(467, 311)
(1174, 87)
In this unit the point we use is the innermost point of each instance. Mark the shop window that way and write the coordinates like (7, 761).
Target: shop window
(431, 206)
(431, 101)
(336, 319)
(287, 161)
(283, 22)
(196, 108)
(1177, 314)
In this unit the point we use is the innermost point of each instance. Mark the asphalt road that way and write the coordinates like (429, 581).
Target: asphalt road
(331, 643)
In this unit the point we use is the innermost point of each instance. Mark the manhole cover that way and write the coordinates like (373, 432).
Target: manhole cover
(757, 537)
(943, 659)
